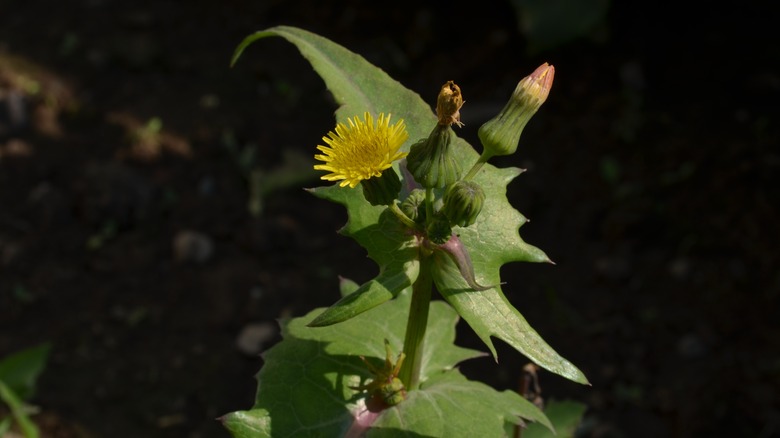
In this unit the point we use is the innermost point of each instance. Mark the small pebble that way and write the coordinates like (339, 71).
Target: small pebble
(192, 247)
(252, 337)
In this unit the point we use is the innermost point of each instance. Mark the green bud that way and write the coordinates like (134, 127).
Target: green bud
(393, 392)
(462, 203)
(439, 230)
(500, 135)
(432, 161)
(382, 190)
(414, 206)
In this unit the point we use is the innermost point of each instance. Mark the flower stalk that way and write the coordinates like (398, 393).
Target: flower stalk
(416, 325)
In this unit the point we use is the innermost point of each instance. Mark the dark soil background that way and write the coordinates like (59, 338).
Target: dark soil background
(129, 245)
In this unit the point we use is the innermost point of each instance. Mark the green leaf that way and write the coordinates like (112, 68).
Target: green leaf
(565, 416)
(489, 313)
(449, 405)
(15, 403)
(492, 241)
(304, 386)
(377, 230)
(356, 84)
(20, 371)
(389, 322)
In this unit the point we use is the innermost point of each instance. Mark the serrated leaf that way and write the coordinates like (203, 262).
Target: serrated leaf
(356, 84)
(304, 386)
(489, 313)
(449, 405)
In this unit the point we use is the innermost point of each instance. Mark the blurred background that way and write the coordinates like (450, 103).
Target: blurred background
(153, 226)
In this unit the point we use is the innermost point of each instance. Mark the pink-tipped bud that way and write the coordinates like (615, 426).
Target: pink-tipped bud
(539, 82)
(500, 135)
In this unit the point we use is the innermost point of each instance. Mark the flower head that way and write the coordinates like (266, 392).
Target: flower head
(361, 150)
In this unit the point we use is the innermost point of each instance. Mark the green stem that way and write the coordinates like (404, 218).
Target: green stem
(416, 325)
(16, 406)
(429, 198)
(402, 216)
(478, 165)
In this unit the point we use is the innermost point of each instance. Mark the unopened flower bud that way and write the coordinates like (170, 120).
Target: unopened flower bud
(500, 135)
(432, 162)
(463, 202)
(439, 230)
(414, 206)
(382, 190)
(393, 392)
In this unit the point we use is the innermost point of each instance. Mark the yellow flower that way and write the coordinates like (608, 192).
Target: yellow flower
(361, 150)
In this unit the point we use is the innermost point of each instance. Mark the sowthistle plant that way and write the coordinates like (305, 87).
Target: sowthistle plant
(431, 212)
